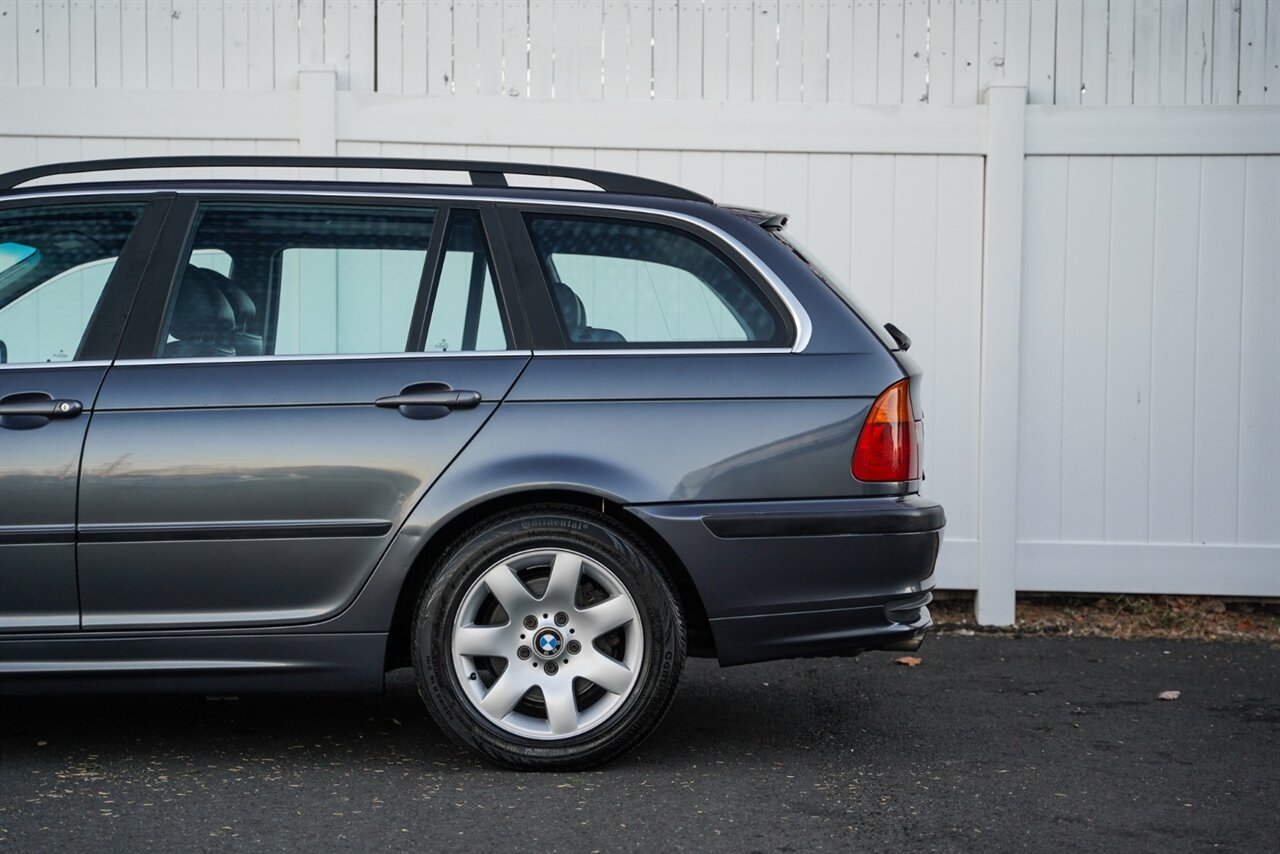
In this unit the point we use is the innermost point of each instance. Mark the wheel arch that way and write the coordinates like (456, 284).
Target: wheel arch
(700, 642)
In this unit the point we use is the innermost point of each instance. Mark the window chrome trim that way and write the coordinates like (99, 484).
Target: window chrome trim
(670, 351)
(800, 317)
(71, 363)
(321, 357)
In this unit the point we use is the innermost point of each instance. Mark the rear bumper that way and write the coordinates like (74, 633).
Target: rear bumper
(801, 578)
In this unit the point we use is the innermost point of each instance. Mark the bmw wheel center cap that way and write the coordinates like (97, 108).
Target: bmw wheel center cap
(548, 643)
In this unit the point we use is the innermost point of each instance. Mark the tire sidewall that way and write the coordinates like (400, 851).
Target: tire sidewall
(600, 540)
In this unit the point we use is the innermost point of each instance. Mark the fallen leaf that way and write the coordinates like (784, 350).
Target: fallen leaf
(909, 661)
(1170, 695)
(1246, 625)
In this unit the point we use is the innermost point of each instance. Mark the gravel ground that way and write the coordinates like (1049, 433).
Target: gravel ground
(991, 743)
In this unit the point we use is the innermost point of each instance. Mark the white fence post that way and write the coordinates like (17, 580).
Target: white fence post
(1001, 305)
(317, 111)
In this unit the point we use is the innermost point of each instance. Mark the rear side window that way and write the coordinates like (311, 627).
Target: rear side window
(290, 279)
(619, 283)
(463, 310)
(54, 265)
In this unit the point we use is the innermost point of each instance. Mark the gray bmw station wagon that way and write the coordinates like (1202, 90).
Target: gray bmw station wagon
(538, 444)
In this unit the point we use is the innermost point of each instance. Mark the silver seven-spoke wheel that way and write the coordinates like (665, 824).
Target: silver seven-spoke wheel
(547, 644)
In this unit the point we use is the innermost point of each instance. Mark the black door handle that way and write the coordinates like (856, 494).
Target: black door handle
(448, 398)
(39, 406)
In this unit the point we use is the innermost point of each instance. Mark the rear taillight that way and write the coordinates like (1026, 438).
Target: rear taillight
(888, 448)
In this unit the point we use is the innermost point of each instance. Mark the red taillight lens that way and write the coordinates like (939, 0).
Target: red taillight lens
(888, 448)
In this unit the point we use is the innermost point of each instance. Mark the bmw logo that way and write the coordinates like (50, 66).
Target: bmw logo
(548, 643)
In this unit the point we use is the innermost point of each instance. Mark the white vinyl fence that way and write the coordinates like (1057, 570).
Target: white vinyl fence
(1072, 207)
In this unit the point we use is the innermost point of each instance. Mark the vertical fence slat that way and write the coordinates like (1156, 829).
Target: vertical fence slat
(1068, 53)
(764, 45)
(515, 54)
(465, 33)
(866, 43)
(1173, 52)
(1272, 88)
(262, 47)
(817, 46)
(30, 47)
(715, 50)
(942, 37)
(741, 80)
(990, 42)
(284, 53)
(915, 52)
(1146, 52)
(439, 36)
(235, 44)
(953, 418)
(186, 44)
(1044, 265)
(639, 51)
(1017, 42)
(1084, 356)
(360, 46)
(1173, 333)
(791, 52)
(889, 53)
(407, 32)
(1217, 374)
(1120, 52)
(840, 51)
(1226, 52)
(1260, 353)
(1128, 385)
(209, 45)
(106, 44)
(392, 61)
(689, 51)
(133, 45)
(965, 54)
(1093, 54)
(1198, 50)
(160, 44)
(666, 57)
(489, 41)
(615, 51)
(8, 42)
(1253, 55)
(55, 32)
(1042, 63)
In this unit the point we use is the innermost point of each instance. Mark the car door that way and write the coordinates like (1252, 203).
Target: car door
(294, 380)
(68, 270)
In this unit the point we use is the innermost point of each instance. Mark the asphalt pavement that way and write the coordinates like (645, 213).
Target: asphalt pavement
(991, 743)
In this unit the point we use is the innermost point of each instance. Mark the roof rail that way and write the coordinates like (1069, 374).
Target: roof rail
(484, 173)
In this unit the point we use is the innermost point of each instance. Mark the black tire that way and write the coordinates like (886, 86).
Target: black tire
(598, 538)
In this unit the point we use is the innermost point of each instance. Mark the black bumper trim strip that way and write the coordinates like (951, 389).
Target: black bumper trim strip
(898, 518)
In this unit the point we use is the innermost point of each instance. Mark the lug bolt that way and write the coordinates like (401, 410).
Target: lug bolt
(531, 622)
(551, 668)
(574, 647)
(523, 653)
(562, 618)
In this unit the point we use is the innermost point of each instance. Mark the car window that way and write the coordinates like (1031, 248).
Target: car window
(464, 314)
(54, 264)
(618, 283)
(298, 279)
